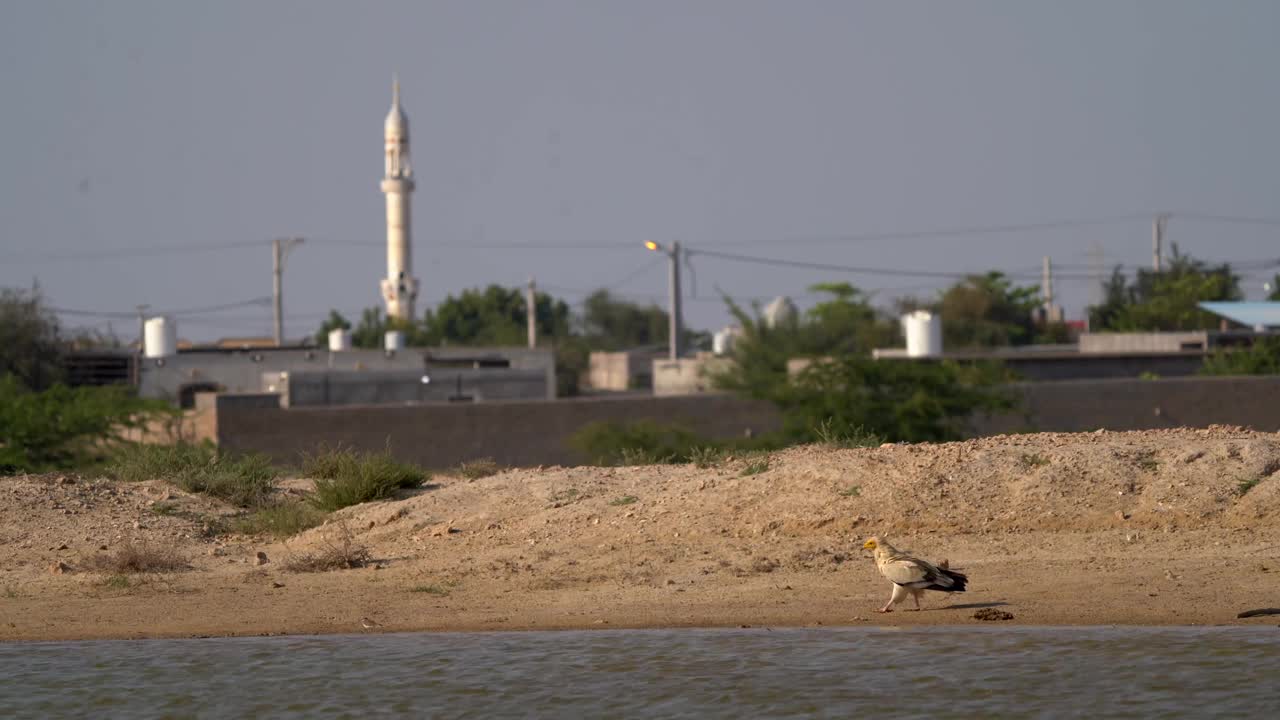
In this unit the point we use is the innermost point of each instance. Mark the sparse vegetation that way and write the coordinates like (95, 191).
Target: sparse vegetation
(851, 491)
(830, 434)
(62, 427)
(476, 469)
(565, 497)
(1147, 461)
(1246, 484)
(756, 467)
(280, 520)
(1031, 460)
(132, 558)
(624, 500)
(706, 456)
(437, 590)
(342, 553)
(166, 509)
(117, 582)
(244, 481)
(345, 477)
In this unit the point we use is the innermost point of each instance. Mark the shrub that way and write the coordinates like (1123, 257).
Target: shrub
(897, 400)
(245, 481)
(345, 477)
(476, 469)
(138, 463)
(133, 557)
(280, 520)
(1261, 358)
(340, 554)
(640, 443)
(64, 427)
(833, 434)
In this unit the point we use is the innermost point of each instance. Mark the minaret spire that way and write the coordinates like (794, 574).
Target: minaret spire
(399, 287)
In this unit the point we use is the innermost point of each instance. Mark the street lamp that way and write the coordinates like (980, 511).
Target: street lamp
(674, 323)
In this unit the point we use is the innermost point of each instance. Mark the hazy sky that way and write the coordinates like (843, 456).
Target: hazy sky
(139, 139)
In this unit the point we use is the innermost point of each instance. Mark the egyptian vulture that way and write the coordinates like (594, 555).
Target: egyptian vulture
(912, 575)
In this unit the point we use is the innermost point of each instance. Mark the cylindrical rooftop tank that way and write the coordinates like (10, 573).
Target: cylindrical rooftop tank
(159, 337)
(722, 341)
(924, 333)
(394, 340)
(781, 311)
(339, 340)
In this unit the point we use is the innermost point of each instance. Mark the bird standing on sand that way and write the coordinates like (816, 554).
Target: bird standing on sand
(369, 623)
(911, 575)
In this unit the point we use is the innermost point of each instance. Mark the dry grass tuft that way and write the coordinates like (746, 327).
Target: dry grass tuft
(341, 553)
(133, 558)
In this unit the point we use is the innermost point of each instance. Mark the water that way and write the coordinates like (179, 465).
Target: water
(838, 673)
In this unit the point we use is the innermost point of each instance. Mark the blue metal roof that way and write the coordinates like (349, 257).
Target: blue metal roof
(1253, 314)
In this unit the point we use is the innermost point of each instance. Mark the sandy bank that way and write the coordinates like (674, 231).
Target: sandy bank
(1162, 527)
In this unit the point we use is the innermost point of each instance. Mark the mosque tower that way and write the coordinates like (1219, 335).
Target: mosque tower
(400, 287)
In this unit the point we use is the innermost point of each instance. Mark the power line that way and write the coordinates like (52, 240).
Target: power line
(897, 272)
(133, 252)
(133, 314)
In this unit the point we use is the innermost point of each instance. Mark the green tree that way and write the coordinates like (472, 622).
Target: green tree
(493, 316)
(1167, 300)
(62, 427)
(988, 311)
(335, 321)
(609, 323)
(30, 340)
(843, 324)
(898, 400)
(1260, 358)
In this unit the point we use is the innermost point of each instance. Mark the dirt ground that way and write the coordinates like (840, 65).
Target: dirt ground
(1159, 527)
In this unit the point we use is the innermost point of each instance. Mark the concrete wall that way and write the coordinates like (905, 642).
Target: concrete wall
(619, 371)
(512, 433)
(1144, 342)
(1086, 405)
(240, 371)
(1065, 365)
(687, 376)
(536, 433)
(348, 387)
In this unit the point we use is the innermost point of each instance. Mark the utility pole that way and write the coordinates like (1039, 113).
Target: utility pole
(1046, 285)
(675, 326)
(676, 321)
(531, 313)
(279, 247)
(1157, 240)
(142, 328)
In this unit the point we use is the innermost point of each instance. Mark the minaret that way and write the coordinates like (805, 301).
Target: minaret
(399, 288)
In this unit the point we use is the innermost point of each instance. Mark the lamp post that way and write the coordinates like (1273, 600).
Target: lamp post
(675, 325)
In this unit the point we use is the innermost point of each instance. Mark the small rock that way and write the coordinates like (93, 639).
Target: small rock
(992, 615)
(1122, 515)
(261, 558)
(277, 584)
(59, 568)
(137, 525)
(64, 546)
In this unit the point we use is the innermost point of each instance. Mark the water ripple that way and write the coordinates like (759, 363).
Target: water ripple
(887, 673)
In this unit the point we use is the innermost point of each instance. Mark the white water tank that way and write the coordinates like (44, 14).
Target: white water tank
(722, 341)
(924, 333)
(781, 311)
(339, 340)
(159, 338)
(393, 340)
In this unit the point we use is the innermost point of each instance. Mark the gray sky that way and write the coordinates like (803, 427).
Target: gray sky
(776, 129)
